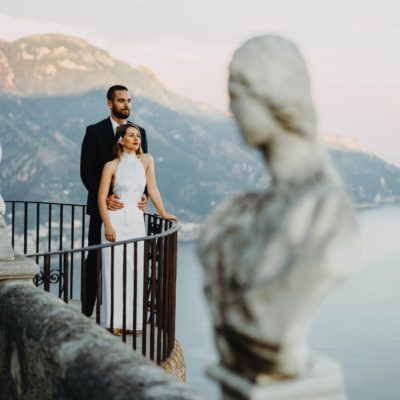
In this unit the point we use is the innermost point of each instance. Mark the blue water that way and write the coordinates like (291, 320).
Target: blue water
(358, 324)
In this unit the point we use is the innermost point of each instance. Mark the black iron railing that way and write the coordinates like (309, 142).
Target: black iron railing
(53, 234)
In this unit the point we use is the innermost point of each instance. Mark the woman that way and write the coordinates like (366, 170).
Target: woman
(129, 173)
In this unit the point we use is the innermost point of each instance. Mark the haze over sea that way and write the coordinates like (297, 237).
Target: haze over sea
(358, 324)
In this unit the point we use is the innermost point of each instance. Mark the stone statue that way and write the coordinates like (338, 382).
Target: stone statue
(6, 251)
(270, 258)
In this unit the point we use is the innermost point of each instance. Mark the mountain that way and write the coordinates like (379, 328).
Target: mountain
(60, 65)
(199, 155)
(370, 180)
(199, 162)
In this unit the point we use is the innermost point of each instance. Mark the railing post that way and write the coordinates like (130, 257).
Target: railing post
(37, 229)
(166, 287)
(135, 295)
(112, 289)
(66, 278)
(124, 274)
(72, 254)
(152, 296)
(46, 273)
(145, 295)
(83, 282)
(98, 286)
(159, 320)
(173, 283)
(25, 227)
(49, 229)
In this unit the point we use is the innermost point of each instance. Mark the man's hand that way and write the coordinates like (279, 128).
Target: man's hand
(142, 203)
(113, 203)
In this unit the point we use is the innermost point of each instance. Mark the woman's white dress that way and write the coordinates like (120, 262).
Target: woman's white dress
(128, 223)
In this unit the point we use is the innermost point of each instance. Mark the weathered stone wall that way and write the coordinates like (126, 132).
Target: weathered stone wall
(50, 351)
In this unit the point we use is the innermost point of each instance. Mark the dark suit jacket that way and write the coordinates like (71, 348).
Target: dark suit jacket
(97, 149)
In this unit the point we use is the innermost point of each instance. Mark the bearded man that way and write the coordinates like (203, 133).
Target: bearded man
(97, 149)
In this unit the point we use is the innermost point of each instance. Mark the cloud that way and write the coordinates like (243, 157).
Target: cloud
(12, 28)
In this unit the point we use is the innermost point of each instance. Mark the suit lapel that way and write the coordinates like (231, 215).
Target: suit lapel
(106, 138)
(109, 128)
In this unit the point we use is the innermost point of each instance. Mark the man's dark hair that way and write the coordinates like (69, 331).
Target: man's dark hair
(113, 89)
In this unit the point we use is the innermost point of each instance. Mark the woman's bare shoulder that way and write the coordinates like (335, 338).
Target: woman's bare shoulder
(145, 157)
(111, 165)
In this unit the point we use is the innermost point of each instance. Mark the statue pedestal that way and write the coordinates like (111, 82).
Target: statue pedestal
(19, 269)
(323, 381)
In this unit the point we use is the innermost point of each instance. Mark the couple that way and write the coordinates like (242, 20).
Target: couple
(116, 169)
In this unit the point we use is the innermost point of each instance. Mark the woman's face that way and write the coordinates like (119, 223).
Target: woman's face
(131, 141)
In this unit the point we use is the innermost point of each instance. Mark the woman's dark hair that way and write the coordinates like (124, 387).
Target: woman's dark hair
(120, 133)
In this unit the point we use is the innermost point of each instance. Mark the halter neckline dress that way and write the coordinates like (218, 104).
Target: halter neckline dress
(128, 223)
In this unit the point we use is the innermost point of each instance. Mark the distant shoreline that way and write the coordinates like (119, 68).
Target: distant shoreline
(189, 231)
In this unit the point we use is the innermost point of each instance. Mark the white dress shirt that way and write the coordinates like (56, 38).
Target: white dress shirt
(115, 124)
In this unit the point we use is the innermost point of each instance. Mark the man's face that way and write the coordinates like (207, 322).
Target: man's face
(120, 105)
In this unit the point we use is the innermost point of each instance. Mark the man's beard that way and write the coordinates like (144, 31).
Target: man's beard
(121, 115)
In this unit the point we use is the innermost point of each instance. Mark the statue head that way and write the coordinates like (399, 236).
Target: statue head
(270, 92)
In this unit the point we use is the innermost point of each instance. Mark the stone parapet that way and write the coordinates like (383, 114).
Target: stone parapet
(20, 268)
(49, 350)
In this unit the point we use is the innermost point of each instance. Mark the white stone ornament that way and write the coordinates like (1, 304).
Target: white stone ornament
(2, 204)
(14, 268)
(271, 257)
(6, 251)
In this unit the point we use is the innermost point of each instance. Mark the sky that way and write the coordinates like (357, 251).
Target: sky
(352, 48)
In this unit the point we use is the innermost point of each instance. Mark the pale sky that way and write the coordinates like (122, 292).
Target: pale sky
(352, 48)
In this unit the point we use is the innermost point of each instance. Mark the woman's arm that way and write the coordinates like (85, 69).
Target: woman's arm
(108, 172)
(152, 188)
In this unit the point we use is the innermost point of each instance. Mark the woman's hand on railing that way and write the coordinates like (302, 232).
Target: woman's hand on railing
(169, 216)
(109, 233)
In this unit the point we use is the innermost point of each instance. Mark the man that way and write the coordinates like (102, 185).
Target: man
(97, 149)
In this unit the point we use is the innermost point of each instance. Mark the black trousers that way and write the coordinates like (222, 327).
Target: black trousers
(90, 288)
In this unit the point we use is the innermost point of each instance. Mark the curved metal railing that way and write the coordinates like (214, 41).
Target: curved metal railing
(53, 234)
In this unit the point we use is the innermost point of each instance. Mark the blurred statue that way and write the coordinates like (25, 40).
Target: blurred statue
(6, 251)
(270, 258)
